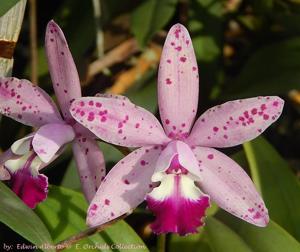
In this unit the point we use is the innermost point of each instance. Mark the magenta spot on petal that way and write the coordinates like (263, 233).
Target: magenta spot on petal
(178, 48)
(257, 215)
(265, 117)
(107, 202)
(91, 103)
(91, 116)
(168, 81)
(215, 129)
(246, 114)
(275, 103)
(103, 119)
(210, 156)
(263, 107)
(93, 207)
(137, 125)
(167, 121)
(182, 59)
(143, 162)
(254, 111)
(126, 182)
(98, 104)
(194, 68)
(169, 61)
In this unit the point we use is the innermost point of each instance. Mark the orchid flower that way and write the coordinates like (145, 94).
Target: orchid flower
(30, 105)
(176, 168)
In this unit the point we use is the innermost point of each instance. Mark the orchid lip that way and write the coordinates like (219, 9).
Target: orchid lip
(178, 204)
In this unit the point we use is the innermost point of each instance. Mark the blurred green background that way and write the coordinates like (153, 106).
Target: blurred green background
(244, 48)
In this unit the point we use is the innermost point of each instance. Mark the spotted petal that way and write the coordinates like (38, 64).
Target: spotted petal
(62, 68)
(230, 187)
(90, 165)
(124, 187)
(178, 83)
(235, 122)
(26, 103)
(118, 121)
(50, 138)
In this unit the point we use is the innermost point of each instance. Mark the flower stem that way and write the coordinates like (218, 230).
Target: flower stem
(161, 243)
(33, 41)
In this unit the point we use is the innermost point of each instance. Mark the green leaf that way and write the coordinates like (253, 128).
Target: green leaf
(193, 242)
(272, 238)
(64, 213)
(151, 16)
(223, 239)
(16, 215)
(279, 186)
(206, 25)
(271, 70)
(6, 5)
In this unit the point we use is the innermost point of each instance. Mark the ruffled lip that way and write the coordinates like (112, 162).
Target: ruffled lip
(179, 206)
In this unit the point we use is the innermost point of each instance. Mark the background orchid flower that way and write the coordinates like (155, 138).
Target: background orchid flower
(176, 169)
(30, 105)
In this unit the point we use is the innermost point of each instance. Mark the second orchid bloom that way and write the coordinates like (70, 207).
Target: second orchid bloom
(176, 168)
(32, 106)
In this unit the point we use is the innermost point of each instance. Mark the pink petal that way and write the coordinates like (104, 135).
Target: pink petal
(90, 164)
(230, 187)
(62, 68)
(26, 103)
(178, 83)
(178, 155)
(4, 174)
(118, 121)
(235, 122)
(124, 187)
(178, 204)
(50, 138)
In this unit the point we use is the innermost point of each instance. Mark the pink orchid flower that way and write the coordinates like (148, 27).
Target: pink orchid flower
(176, 169)
(30, 105)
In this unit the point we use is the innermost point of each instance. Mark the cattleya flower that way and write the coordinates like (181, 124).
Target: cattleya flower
(30, 105)
(176, 168)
